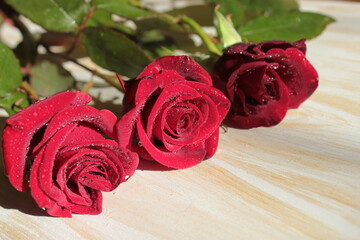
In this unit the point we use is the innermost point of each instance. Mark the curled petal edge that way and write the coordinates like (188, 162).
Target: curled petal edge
(21, 127)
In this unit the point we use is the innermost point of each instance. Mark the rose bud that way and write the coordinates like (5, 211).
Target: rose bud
(173, 112)
(71, 161)
(293, 68)
(258, 96)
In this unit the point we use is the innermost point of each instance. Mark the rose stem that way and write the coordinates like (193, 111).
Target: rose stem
(111, 80)
(204, 37)
(30, 91)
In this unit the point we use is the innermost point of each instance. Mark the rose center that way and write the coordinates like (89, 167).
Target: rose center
(256, 87)
(180, 120)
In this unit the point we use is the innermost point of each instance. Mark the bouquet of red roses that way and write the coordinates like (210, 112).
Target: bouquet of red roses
(177, 91)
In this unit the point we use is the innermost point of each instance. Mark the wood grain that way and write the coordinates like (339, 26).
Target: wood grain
(298, 180)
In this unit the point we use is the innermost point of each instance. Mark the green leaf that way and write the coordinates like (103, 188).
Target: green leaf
(49, 77)
(244, 10)
(121, 7)
(172, 28)
(204, 19)
(234, 7)
(10, 75)
(100, 18)
(156, 44)
(56, 15)
(226, 30)
(290, 26)
(103, 18)
(13, 102)
(271, 6)
(255, 8)
(114, 51)
(159, 21)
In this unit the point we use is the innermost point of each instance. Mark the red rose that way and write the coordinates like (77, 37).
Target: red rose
(174, 113)
(71, 160)
(258, 96)
(288, 64)
(294, 69)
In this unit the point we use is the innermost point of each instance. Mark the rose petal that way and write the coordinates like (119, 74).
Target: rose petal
(296, 72)
(71, 160)
(124, 160)
(183, 65)
(180, 134)
(103, 119)
(170, 142)
(42, 187)
(242, 47)
(209, 124)
(220, 100)
(187, 156)
(96, 206)
(137, 94)
(204, 126)
(23, 125)
(211, 144)
(75, 180)
(168, 85)
(294, 69)
(178, 119)
(83, 133)
(69, 183)
(85, 156)
(124, 128)
(171, 92)
(51, 195)
(264, 47)
(246, 111)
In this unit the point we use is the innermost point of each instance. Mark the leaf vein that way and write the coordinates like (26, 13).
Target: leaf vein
(62, 10)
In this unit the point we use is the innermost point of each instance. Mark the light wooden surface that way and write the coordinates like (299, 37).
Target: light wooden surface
(298, 180)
